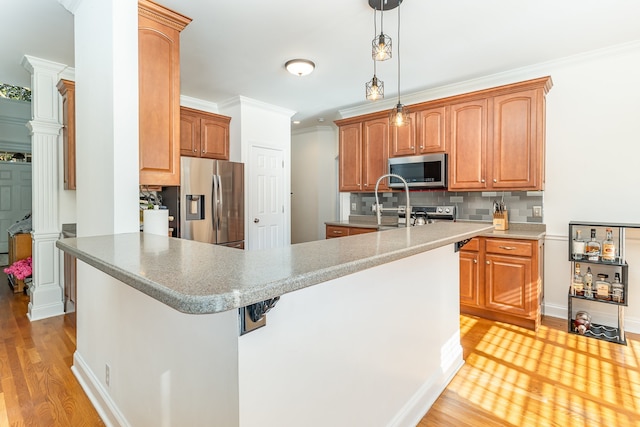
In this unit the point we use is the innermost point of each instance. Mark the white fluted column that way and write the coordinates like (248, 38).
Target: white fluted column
(46, 292)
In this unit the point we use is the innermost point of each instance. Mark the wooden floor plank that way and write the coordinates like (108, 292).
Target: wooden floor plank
(37, 387)
(516, 377)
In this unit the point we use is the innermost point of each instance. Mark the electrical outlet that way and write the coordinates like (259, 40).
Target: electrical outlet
(353, 206)
(107, 374)
(537, 211)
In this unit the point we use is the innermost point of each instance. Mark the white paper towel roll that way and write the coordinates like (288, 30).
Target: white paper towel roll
(156, 221)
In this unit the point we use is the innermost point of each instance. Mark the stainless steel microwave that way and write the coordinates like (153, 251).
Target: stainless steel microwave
(427, 171)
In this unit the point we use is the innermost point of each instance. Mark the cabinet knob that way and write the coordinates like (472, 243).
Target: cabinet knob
(495, 180)
(488, 262)
(204, 151)
(475, 261)
(194, 150)
(482, 180)
(366, 185)
(412, 147)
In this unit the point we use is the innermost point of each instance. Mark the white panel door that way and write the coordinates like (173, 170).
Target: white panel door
(266, 204)
(15, 197)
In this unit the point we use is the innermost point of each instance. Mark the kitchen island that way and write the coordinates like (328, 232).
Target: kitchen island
(366, 331)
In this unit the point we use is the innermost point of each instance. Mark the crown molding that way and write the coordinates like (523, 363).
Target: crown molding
(492, 80)
(243, 101)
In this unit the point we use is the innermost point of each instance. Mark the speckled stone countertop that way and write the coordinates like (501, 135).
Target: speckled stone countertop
(526, 231)
(199, 278)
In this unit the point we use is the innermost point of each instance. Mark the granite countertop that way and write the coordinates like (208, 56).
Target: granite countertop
(525, 231)
(200, 278)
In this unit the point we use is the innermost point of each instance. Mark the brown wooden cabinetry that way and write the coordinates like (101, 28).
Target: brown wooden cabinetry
(363, 155)
(497, 142)
(403, 138)
(425, 134)
(204, 134)
(501, 279)
(333, 231)
(159, 93)
(67, 89)
(494, 137)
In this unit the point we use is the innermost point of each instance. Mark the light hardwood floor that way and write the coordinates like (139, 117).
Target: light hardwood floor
(512, 376)
(37, 387)
(516, 377)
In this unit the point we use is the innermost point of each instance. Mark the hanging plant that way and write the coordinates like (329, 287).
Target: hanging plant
(20, 269)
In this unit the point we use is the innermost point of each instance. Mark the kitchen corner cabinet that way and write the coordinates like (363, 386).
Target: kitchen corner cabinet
(425, 134)
(497, 142)
(67, 89)
(159, 93)
(363, 155)
(501, 279)
(597, 265)
(204, 134)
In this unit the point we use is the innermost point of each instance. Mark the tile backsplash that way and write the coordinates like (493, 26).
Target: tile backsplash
(475, 205)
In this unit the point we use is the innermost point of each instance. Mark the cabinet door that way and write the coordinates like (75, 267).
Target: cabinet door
(214, 138)
(468, 145)
(509, 284)
(430, 126)
(67, 89)
(159, 94)
(375, 152)
(516, 149)
(350, 157)
(403, 138)
(189, 134)
(470, 292)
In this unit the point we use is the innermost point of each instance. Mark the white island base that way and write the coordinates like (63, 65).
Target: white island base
(373, 348)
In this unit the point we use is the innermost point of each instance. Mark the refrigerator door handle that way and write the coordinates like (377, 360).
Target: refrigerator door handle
(219, 207)
(214, 194)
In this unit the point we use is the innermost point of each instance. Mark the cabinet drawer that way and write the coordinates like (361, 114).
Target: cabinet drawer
(510, 247)
(336, 231)
(473, 245)
(361, 230)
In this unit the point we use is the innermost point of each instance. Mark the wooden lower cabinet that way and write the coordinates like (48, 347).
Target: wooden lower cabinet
(501, 279)
(343, 231)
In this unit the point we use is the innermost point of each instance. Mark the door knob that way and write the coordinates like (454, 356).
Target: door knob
(256, 220)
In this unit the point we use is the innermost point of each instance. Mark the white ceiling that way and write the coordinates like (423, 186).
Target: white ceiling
(239, 47)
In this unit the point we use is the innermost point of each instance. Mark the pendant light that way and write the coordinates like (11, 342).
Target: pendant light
(381, 44)
(399, 115)
(374, 88)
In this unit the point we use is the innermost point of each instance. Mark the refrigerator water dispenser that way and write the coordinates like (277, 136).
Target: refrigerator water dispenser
(195, 207)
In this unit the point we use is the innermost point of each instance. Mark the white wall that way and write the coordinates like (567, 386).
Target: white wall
(592, 164)
(313, 182)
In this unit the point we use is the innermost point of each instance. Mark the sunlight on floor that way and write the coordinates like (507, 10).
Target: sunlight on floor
(550, 378)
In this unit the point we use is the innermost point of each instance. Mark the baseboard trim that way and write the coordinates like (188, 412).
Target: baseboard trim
(420, 403)
(98, 396)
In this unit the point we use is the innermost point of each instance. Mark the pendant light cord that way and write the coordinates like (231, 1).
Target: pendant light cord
(399, 3)
(375, 35)
(381, 17)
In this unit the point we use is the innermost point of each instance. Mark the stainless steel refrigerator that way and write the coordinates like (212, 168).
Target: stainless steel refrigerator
(212, 201)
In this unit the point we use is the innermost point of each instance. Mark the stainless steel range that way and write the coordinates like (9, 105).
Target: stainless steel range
(421, 215)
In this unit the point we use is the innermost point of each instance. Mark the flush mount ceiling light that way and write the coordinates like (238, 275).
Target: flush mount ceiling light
(299, 67)
(399, 115)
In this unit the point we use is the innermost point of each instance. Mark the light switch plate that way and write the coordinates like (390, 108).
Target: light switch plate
(353, 206)
(537, 211)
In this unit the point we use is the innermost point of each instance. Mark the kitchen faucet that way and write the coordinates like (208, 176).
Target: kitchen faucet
(378, 208)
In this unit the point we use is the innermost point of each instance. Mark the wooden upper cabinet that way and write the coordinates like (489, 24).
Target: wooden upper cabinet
(375, 153)
(204, 134)
(430, 130)
(468, 145)
(350, 157)
(516, 147)
(497, 143)
(159, 93)
(67, 89)
(403, 138)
